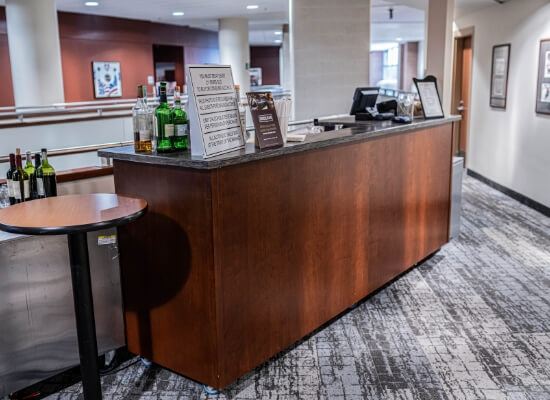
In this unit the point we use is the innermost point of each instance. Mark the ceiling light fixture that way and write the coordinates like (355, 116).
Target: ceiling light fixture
(178, 13)
(399, 39)
(278, 33)
(278, 41)
(252, 7)
(91, 4)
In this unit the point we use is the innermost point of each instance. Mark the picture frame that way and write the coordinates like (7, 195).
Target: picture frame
(543, 81)
(500, 68)
(429, 97)
(107, 79)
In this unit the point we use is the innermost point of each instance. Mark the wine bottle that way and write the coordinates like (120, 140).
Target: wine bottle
(163, 122)
(180, 140)
(142, 121)
(32, 178)
(29, 167)
(45, 178)
(9, 178)
(21, 187)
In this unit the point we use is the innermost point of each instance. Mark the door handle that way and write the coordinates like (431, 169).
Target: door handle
(460, 106)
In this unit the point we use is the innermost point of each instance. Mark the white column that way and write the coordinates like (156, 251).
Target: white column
(286, 73)
(439, 47)
(330, 43)
(35, 55)
(235, 50)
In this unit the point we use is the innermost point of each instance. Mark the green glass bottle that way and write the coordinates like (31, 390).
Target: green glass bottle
(29, 167)
(45, 178)
(163, 123)
(180, 139)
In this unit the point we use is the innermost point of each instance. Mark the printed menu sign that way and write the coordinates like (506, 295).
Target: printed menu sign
(214, 114)
(266, 123)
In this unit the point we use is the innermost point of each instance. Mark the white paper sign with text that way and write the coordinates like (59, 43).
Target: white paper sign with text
(213, 111)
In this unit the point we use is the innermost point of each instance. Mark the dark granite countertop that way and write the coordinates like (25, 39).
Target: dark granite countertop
(365, 131)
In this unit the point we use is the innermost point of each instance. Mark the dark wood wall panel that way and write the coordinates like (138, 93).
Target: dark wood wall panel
(6, 93)
(300, 238)
(167, 269)
(266, 57)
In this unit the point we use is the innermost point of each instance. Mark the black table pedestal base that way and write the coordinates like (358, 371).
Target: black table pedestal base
(84, 312)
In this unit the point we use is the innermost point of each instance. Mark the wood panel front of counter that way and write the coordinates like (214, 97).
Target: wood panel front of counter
(233, 265)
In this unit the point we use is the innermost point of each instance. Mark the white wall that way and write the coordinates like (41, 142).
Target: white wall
(330, 43)
(510, 147)
(63, 135)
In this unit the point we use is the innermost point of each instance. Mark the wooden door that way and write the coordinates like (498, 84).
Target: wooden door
(461, 92)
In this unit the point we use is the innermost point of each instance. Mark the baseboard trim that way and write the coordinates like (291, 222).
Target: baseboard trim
(535, 205)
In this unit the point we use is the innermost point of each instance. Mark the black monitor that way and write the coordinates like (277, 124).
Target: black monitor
(364, 98)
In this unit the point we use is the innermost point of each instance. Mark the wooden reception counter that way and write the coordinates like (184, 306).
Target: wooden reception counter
(242, 255)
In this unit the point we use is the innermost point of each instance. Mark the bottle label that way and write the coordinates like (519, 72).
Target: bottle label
(10, 188)
(17, 190)
(27, 192)
(145, 135)
(40, 186)
(182, 129)
(168, 130)
(155, 127)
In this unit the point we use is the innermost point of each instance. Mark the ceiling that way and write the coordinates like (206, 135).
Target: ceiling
(268, 18)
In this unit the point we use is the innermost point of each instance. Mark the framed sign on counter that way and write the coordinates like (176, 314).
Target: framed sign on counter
(429, 97)
(543, 82)
(499, 75)
(215, 125)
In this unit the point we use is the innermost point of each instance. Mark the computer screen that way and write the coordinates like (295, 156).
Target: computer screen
(363, 98)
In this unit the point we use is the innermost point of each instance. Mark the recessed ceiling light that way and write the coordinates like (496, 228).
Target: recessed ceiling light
(178, 13)
(252, 7)
(278, 33)
(399, 39)
(277, 41)
(91, 4)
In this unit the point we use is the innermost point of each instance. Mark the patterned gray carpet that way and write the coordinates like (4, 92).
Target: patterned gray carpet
(472, 322)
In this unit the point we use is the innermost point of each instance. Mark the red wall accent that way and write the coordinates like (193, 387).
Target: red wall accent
(267, 58)
(86, 38)
(6, 89)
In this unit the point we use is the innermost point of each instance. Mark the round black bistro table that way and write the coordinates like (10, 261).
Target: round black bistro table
(75, 215)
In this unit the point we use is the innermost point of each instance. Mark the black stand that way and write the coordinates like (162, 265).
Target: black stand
(84, 312)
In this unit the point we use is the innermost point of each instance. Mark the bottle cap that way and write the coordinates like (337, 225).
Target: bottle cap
(17, 151)
(237, 86)
(140, 91)
(177, 89)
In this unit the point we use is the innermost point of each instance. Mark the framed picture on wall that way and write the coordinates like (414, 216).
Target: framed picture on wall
(543, 82)
(429, 97)
(107, 82)
(499, 75)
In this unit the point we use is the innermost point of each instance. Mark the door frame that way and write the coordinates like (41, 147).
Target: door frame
(456, 96)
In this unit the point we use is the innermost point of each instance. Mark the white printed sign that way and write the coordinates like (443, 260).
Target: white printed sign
(214, 114)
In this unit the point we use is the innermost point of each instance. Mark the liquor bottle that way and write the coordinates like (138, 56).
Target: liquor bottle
(180, 139)
(9, 178)
(32, 178)
(45, 178)
(21, 187)
(163, 123)
(142, 121)
(241, 107)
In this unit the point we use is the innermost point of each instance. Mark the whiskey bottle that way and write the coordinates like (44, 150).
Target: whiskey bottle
(142, 122)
